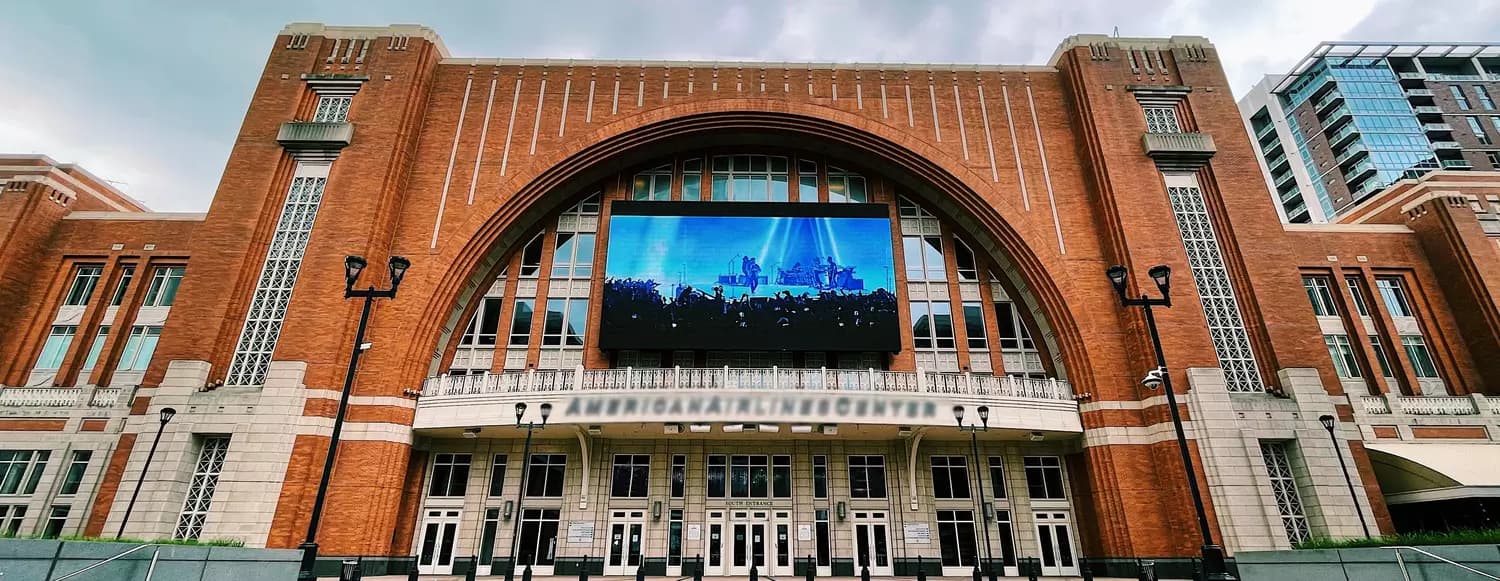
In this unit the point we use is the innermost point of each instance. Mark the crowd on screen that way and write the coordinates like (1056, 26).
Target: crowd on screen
(640, 304)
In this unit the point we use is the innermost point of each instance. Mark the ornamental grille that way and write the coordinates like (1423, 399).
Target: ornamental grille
(1162, 120)
(252, 356)
(1220, 308)
(201, 490)
(332, 109)
(1284, 486)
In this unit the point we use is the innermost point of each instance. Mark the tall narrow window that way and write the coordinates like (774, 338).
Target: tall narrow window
(679, 476)
(717, 475)
(974, 326)
(968, 266)
(692, 179)
(58, 340)
(997, 477)
(820, 476)
(57, 519)
(520, 322)
(950, 477)
(824, 538)
(484, 327)
(96, 348)
(1320, 296)
(332, 108)
(844, 186)
(1484, 97)
(278, 277)
(1458, 97)
(565, 322)
(932, 325)
(781, 476)
(487, 536)
(674, 538)
(163, 289)
(1013, 333)
(654, 184)
(1357, 291)
(78, 465)
(1343, 356)
(1381, 356)
(531, 258)
(1421, 358)
(867, 476)
(1284, 488)
(497, 475)
(1215, 289)
(1161, 119)
(450, 475)
(1044, 478)
(1393, 294)
(127, 273)
(1480, 135)
(632, 475)
(807, 180)
(545, 477)
(924, 258)
(85, 278)
(139, 347)
(201, 488)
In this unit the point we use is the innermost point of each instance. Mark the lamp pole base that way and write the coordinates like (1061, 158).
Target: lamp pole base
(1214, 568)
(309, 559)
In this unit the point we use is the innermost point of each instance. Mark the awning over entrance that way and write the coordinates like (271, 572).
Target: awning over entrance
(1410, 473)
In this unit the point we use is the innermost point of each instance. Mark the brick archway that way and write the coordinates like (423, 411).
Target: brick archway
(1020, 246)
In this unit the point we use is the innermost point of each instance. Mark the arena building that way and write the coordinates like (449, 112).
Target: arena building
(751, 296)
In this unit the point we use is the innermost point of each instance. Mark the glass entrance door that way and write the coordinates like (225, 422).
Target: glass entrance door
(626, 536)
(872, 543)
(439, 533)
(538, 545)
(754, 541)
(1055, 543)
(713, 554)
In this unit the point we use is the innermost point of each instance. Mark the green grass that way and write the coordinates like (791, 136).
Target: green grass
(132, 541)
(1461, 537)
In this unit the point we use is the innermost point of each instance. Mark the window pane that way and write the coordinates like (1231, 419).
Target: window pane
(974, 325)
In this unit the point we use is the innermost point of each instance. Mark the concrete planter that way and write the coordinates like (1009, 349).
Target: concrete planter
(42, 560)
(1373, 564)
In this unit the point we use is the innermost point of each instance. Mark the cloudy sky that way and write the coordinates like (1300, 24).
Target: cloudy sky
(150, 95)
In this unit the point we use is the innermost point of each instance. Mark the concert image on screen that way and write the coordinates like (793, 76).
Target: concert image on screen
(749, 276)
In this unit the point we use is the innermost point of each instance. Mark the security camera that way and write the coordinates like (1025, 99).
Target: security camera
(365, 346)
(1154, 379)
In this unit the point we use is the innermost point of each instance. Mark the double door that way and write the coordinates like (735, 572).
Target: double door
(1054, 536)
(872, 543)
(439, 535)
(741, 539)
(626, 542)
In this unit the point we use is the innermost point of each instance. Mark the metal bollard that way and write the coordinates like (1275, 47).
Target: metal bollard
(525, 575)
(811, 574)
(640, 573)
(754, 575)
(864, 573)
(698, 570)
(583, 572)
(473, 568)
(1084, 570)
(411, 570)
(921, 569)
(1034, 568)
(977, 576)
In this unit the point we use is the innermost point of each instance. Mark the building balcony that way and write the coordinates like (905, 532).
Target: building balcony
(1457, 164)
(1446, 145)
(1436, 127)
(1428, 110)
(1359, 173)
(1424, 93)
(64, 397)
(1263, 133)
(313, 135)
(1333, 98)
(1179, 147)
(1413, 76)
(1343, 136)
(1278, 161)
(1352, 153)
(1422, 405)
(773, 399)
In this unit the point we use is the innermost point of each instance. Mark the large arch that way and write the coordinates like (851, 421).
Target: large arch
(1022, 248)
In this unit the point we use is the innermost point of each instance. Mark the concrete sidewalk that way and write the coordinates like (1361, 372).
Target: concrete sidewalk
(632, 578)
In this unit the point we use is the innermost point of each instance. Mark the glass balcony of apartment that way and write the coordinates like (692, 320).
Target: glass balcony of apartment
(1427, 110)
(1285, 180)
(1336, 117)
(1359, 173)
(1427, 93)
(1457, 164)
(1412, 76)
(1343, 136)
(1436, 127)
(1328, 101)
(1352, 153)
(1446, 146)
(1277, 161)
(1263, 134)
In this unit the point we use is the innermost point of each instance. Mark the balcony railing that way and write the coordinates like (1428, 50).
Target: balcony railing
(1179, 147)
(1428, 110)
(728, 378)
(1423, 405)
(63, 397)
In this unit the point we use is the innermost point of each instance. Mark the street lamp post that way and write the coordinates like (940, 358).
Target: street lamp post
(984, 426)
(1328, 424)
(515, 529)
(166, 416)
(1213, 555)
(353, 265)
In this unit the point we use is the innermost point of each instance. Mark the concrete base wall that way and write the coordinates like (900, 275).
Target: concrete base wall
(40, 560)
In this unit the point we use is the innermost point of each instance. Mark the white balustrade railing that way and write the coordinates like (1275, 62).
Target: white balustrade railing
(771, 378)
(40, 396)
(105, 397)
(1435, 405)
(1375, 404)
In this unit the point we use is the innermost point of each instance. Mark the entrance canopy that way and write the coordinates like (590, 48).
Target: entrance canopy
(1410, 473)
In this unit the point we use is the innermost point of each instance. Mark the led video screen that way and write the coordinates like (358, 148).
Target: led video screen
(749, 276)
